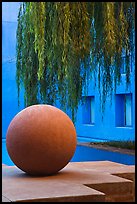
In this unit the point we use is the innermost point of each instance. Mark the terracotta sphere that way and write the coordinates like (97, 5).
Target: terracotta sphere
(41, 140)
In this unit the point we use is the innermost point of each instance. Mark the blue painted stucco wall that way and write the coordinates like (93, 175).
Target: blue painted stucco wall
(108, 128)
(9, 89)
(100, 130)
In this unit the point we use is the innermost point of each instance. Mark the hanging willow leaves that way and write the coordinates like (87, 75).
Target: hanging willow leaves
(61, 45)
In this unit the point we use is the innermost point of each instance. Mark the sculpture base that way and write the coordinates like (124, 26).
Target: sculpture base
(99, 181)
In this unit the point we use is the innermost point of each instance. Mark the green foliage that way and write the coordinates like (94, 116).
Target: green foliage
(61, 44)
(128, 144)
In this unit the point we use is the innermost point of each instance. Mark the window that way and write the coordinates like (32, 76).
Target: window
(123, 110)
(128, 110)
(88, 110)
(123, 65)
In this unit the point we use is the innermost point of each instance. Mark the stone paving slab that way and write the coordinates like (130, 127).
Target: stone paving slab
(125, 171)
(5, 199)
(77, 182)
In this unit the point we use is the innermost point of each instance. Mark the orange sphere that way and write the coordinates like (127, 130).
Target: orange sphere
(41, 140)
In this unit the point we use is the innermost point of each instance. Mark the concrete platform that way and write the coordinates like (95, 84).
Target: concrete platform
(101, 181)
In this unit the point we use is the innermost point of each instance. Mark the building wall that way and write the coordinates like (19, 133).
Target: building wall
(110, 127)
(9, 89)
(96, 129)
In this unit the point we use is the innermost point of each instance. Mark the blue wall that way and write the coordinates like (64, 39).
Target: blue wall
(99, 130)
(9, 89)
(108, 129)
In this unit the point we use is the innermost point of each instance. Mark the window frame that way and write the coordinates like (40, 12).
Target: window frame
(88, 104)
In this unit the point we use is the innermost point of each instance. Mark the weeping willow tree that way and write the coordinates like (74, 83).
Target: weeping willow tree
(61, 44)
